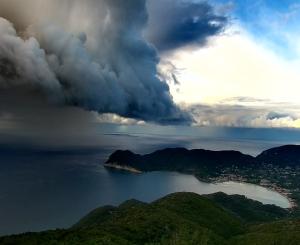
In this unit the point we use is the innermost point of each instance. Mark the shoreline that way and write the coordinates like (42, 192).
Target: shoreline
(284, 192)
(270, 186)
(125, 168)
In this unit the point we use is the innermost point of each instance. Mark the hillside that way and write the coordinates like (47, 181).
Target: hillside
(248, 210)
(284, 156)
(281, 232)
(181, 218)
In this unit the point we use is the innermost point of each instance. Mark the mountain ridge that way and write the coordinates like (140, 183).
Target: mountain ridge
(178, 159)
(178, 218)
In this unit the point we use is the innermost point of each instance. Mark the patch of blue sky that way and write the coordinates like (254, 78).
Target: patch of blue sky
(273, 23)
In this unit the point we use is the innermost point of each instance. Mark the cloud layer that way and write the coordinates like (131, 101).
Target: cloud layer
(245, 112)
(90, 54)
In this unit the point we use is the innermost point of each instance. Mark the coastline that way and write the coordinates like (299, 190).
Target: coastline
(268, 185)
(284, 192)
(125, 168)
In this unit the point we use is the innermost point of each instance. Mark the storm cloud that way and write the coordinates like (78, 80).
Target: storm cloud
(91, 54)
(176, 23)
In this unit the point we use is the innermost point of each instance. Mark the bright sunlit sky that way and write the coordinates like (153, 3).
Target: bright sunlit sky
(257, 56)
(254, 63)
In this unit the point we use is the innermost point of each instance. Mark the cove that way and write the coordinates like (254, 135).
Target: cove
(49, 192)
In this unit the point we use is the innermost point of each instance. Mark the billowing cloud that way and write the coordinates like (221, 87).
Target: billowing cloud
(249, 113)
(89, 54)
(175, 23)
(24, 62)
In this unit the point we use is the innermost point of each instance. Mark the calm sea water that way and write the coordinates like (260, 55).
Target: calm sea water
(47, 191)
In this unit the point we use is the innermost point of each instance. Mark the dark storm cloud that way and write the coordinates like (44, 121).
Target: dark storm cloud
(89, 54)
(176, 23)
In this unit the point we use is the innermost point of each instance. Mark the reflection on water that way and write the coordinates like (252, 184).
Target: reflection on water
(54, 191)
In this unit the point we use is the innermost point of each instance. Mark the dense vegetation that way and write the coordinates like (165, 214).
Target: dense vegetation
(249, 210)
(181, 218)
(288, 155)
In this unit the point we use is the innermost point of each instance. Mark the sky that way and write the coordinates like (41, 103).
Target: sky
(250, 72)
(69, 67)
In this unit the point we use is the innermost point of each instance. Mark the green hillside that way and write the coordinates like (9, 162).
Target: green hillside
(248, 210)
(279, 233)
(181, 218)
